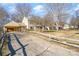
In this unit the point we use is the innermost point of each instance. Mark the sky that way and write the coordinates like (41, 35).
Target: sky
(38, 8)
(39, 1)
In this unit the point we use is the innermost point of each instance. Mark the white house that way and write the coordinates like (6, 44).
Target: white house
(26, 22)
(66, 26)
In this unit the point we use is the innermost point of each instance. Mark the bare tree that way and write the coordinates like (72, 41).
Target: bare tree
(59, 12)
(48, 20)
(72, 21)
(36, 20)
(75, 19)
(3, 13)
(22, 10)
(3, 16)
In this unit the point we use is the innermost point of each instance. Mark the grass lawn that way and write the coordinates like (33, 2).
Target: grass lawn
(64, 33)
(75, 36)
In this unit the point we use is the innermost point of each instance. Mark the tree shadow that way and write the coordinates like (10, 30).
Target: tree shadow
(2, 43)
(17, 50)
(23, 48)
(10, 47)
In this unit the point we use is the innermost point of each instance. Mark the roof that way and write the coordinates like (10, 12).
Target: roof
(21, 24)
(15, 24)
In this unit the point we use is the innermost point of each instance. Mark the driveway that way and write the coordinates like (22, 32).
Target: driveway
(30, 44)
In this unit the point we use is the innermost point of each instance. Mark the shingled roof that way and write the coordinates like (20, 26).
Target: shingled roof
(14, 24)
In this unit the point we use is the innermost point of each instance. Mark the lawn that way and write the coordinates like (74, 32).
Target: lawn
(64, 33)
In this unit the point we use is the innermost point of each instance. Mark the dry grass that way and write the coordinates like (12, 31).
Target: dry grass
(66, 33)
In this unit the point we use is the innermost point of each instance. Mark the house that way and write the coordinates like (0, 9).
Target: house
(32, 26)
(29, 25)
(66, 26)
(26, 22)
(14, 26)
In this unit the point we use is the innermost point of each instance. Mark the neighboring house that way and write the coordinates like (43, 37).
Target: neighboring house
(66, 26)
(76, 26)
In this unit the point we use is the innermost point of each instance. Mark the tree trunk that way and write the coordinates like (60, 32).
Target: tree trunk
(57, 27)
